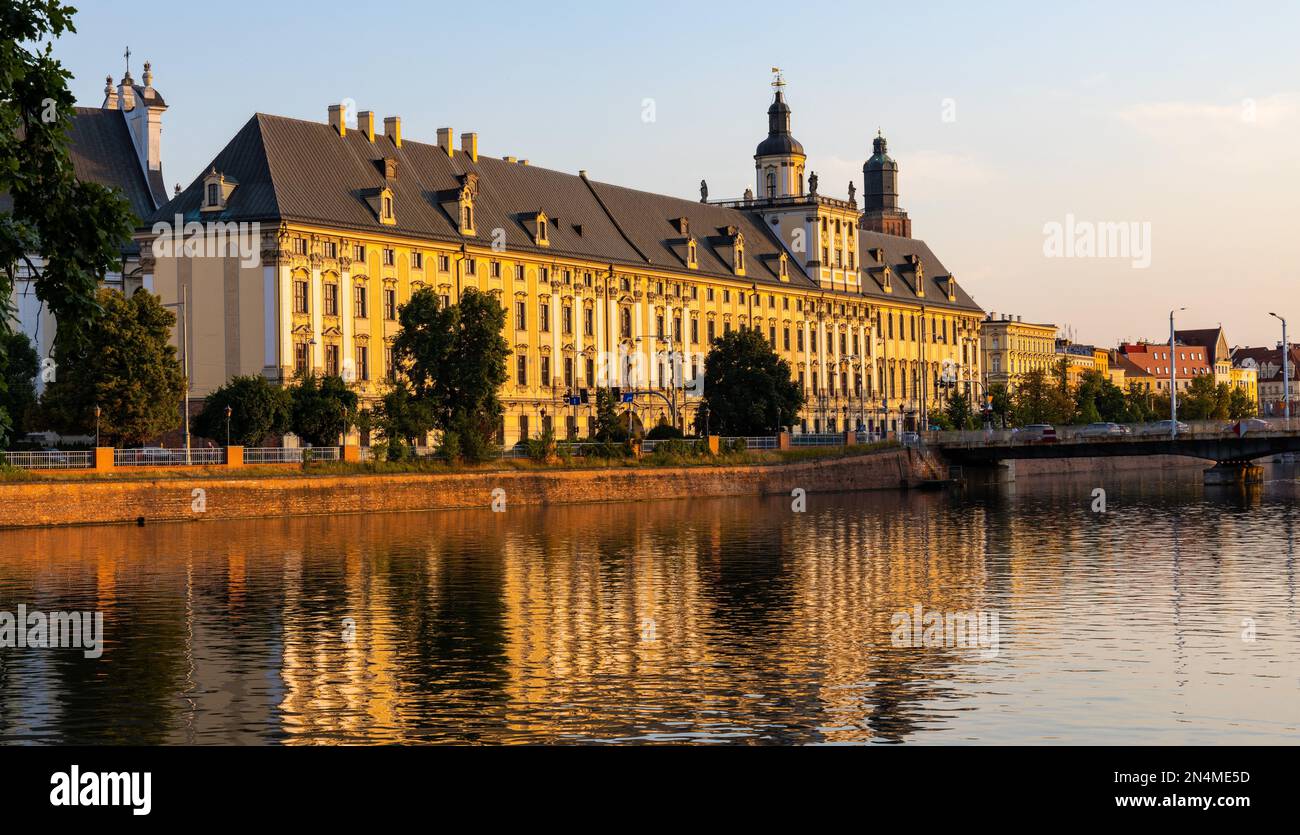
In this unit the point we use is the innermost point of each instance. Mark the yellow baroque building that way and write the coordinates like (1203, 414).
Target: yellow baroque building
(1012, 348)
(294, 251)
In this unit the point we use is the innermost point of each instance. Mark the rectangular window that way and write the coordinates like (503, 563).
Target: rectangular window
(711, 331)
(390, 257)
(495, 271)
(444, 263)
(390, 367)
(591, 371)
(330, 249)
(523, 427)
(519, 272)
(799, 339)
(568, 372)
(363, 363)
(544, 317)
(567, 320)
(331, 299)
(332, 360)
(299, 244)
(359, 301)
(471, 266)
(546, 372)
(588, 322)
(417, 260)
(521, 370)
(390, 303)
(300, 297)
(726, 297)
(786, 339)
(695, 330)
(521, 316)
(300, 357)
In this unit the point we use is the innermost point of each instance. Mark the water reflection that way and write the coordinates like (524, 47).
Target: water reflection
(718, 621)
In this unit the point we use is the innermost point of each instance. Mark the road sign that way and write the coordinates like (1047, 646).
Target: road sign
(628, 397)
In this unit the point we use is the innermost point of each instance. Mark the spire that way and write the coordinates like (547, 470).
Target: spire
(779, 140)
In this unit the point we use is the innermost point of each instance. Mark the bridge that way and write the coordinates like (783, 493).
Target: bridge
(1233, 449)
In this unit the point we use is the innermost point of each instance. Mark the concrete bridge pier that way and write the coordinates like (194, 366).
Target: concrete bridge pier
(1233, 473)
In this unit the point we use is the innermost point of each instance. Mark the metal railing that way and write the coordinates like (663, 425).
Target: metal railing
(292, 455)
(163, 457)
(1116, 433)
(50, 459)
(813, 439)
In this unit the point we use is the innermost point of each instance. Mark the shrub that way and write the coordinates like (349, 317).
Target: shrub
(663, 431)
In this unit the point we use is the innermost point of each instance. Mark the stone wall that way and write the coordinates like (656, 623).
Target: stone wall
(89, 501)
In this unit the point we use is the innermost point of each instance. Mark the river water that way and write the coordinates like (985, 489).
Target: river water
(1170, 618)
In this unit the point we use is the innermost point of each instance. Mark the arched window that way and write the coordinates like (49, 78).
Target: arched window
(771, 183)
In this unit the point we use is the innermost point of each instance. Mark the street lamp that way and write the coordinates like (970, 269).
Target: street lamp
(1286, 370)
(1173, 377)
(97, 413)
(228, 411)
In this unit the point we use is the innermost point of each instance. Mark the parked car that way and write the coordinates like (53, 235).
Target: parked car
(1164, 427)
(910, 438)
(1242, 427)
(1103, 430)
(1036, 433)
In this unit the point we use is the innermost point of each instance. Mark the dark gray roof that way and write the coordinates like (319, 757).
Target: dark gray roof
(294, 170)
(897, 252)
(102, 152)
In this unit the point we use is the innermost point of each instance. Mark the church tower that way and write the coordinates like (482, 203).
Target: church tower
(779, 160)
(880, 193)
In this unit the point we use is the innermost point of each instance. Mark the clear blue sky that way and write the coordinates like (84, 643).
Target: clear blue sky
(1106, 111)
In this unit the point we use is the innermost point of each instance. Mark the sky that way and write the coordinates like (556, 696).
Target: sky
(1177, 119)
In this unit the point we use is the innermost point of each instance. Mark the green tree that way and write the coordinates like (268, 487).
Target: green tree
(454, 359)
(609, 427)
(748, 389)
(1000, 402)
(321, 408)
(18, 366)
(126, 366)
(1240, 405)
(403, 419)
(1204, 400)
(84, 224)
(1040, 399)
(257, 409)
(1138, 405)
(958, 412)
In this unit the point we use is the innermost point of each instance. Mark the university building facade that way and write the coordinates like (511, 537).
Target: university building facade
(603, 285)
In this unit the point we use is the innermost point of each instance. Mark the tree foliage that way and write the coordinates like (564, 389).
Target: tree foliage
(322, 407)
(257, 409)
(78, 227)
(453, 357)
(748, 389)
(403, 419)
(125, 365)
(1040, 399)
(609, 428)
(18, 366)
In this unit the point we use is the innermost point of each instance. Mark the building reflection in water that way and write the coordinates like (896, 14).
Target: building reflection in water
(716, 620)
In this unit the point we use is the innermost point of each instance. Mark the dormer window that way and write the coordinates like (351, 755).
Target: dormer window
(692, 254)
(952, 288)
(381, 203)
(738, 259)
(216, 191)
(539, 226)
(887, 284)
(783, 268)
(465, 197)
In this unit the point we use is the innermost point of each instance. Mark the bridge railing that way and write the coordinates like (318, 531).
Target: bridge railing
(1128, 432)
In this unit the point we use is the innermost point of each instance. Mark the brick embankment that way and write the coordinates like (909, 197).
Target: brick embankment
(1107, 465)
(49, 503)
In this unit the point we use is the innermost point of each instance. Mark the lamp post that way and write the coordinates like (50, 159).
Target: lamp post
(1286, 371)
(1173, 377)
(97, 413)
(228, 411)
(343, 410)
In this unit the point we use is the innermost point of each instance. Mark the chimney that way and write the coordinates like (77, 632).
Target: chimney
(393, 129)
(338, 118)
(444, 140)
(523, 162)
(510, 159)
(110, 94)
(366, 124)
(469, 145)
